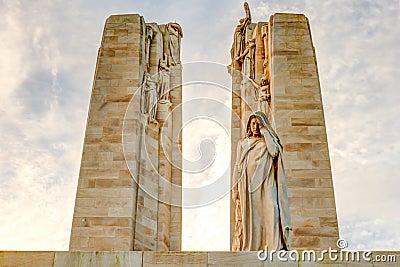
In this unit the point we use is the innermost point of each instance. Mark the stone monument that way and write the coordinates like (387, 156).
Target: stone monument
(274, 70)
(125, 194)
(129, 199)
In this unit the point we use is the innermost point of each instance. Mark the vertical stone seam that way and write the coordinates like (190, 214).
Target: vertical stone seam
(139, 151)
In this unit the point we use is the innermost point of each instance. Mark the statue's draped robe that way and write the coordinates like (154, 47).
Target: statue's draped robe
(262, 210)
(174, 42)
(163, 85)
(148, 101)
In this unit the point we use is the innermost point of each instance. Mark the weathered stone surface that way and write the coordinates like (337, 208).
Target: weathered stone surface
(300, 123)
(63, 259)
(26, 258)
(243, 259)
(163, 259)
(299, 120)
(117, 205)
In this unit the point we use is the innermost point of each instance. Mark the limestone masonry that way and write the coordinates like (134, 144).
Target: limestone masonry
(125, 146)
(129, 199)
(284, 54)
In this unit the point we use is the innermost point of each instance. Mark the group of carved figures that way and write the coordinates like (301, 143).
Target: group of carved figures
(243, 60)
(262, 216)
(259, 194)
(156, 89)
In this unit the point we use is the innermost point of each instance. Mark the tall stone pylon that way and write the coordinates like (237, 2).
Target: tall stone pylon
(277, 59)
(128, 195)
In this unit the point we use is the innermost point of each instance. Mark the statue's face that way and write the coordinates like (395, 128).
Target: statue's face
(255, 126)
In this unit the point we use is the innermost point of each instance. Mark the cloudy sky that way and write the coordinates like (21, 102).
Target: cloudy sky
(48, 54)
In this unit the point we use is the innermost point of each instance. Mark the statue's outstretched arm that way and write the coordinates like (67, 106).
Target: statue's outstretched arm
(271, 147)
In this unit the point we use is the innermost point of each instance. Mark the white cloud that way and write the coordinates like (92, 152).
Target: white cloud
(11, 64)
(41, 139)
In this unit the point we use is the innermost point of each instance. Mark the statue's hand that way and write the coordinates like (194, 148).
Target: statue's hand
(260, 124)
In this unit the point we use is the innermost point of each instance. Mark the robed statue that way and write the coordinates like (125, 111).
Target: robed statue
(263, 96)
(239, 39)
(261, 203)
(148, 100)
(163, 91)
(173, 43)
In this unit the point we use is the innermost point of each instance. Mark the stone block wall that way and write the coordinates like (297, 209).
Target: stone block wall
(123, 201)
(286, 55)
(300, 122)
(103, 216)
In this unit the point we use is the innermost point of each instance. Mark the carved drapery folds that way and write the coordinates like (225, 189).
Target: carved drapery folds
(263, 96)
(257, 218)
(173, 43)
(148, 40)
(239, 39)
(247, 59)
(162, 45)
(248, 40)
(148, 102)
(163, 80)
(264, 32)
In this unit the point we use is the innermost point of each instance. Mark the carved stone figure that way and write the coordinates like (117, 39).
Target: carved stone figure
(263, 96)
(149, 38)
(247, 11)
(248, 59)
(264, 32)
(173, 43)
(259, 192)
(163, 80)
(148, 103)
(239, 38)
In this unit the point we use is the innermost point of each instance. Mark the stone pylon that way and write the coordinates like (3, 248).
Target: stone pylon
(128, 195)
(282, 52)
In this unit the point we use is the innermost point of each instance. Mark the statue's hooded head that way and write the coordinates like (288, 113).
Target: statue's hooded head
(264, 122)
(262, 119)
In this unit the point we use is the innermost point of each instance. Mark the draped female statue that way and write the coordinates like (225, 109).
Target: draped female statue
(173, 43)
(163, 91)
(148, 101)
(259, 193)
